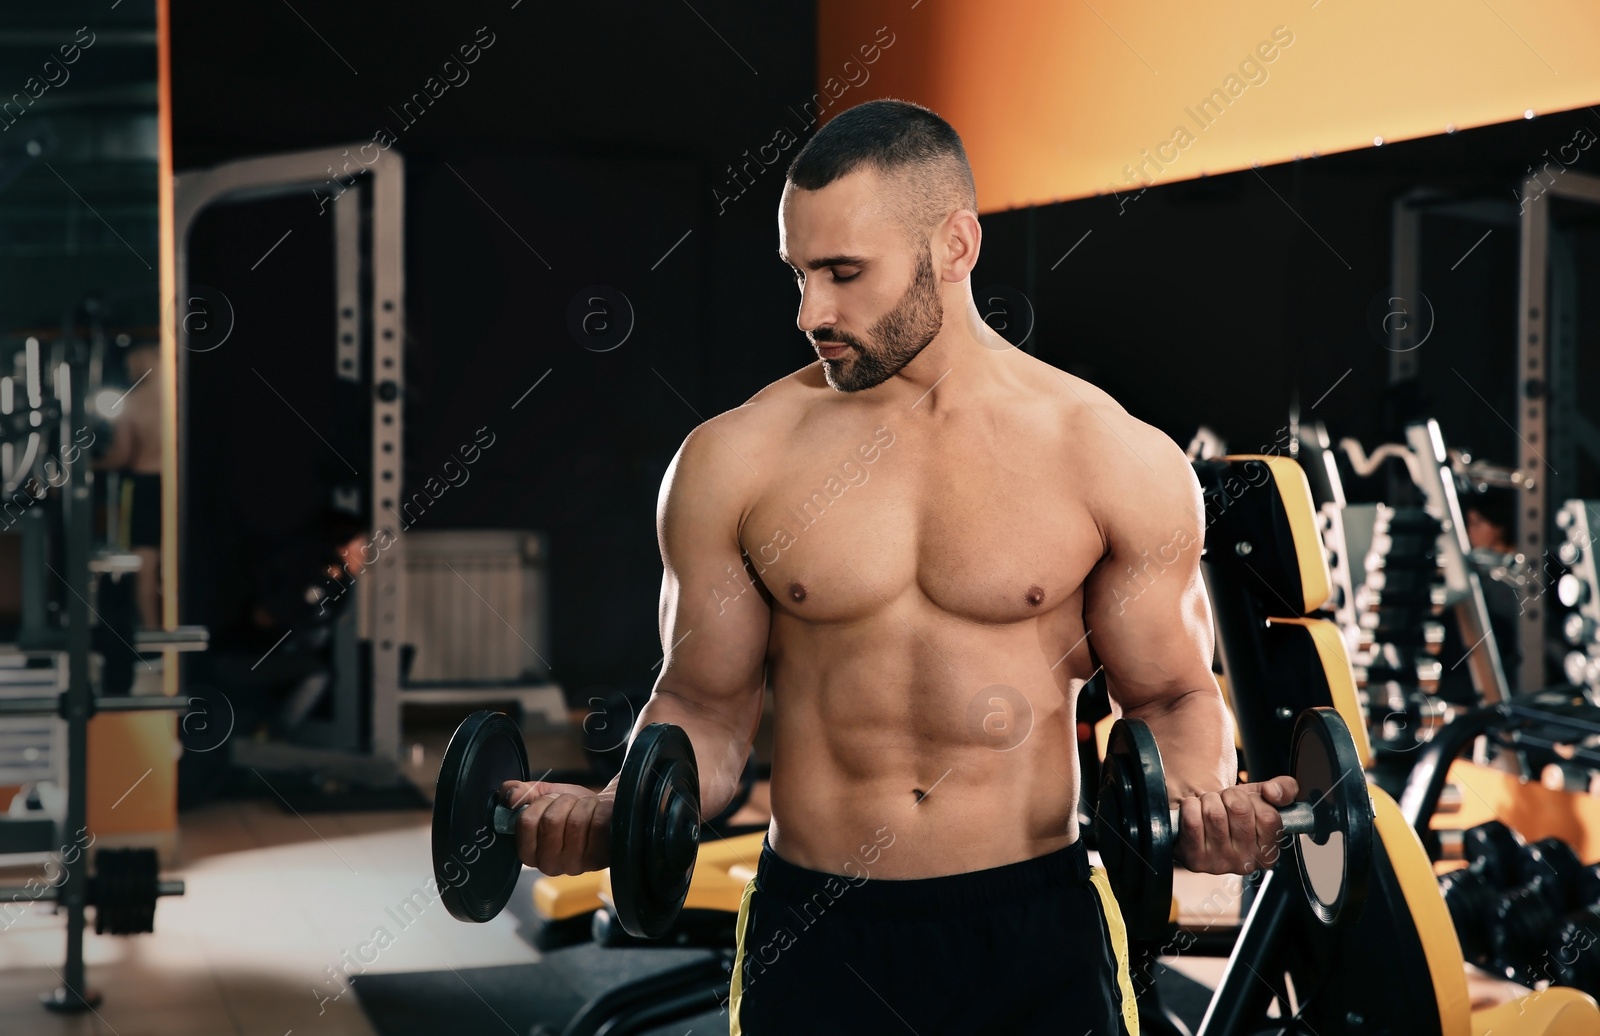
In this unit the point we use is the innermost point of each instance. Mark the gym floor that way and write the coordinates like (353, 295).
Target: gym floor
(273, 900)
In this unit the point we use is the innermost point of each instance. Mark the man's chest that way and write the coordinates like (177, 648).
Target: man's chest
(991, 528)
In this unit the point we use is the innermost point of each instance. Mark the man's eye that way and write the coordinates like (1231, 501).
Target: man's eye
(839, 280)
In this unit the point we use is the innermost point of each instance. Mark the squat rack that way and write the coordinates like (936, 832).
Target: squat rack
(1551, 428)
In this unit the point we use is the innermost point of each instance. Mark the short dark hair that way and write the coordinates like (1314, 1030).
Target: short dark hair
(893, 137)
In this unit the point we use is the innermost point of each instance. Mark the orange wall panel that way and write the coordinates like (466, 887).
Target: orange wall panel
(133, 772)
(1530, 809)
(1058, 100)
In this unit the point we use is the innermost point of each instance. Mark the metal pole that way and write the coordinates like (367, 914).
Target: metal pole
(1532, 375)
(1241, 998)
(78, 513)
(1438, 485)
(28, 894)
(386, 588)
(50, 705)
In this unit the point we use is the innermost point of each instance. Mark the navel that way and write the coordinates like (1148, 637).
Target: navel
(797, 591)
(919, 793)
(1034, 596)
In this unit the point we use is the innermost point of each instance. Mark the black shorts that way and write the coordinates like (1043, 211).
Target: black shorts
(1030, 947)
(141, 509)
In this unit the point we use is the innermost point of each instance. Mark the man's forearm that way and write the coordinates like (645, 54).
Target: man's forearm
(1195, 734)
(720, 746)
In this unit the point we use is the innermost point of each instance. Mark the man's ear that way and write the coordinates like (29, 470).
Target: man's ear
(960, 236)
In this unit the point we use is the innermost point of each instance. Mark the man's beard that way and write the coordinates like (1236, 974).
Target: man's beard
(896, 339)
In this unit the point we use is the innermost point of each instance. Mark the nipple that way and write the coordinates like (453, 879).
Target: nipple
(1034, 596)
(797, 591)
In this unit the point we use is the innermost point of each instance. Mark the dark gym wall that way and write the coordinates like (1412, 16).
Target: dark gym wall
(590, 134)
(78, 141)
(1221, 300)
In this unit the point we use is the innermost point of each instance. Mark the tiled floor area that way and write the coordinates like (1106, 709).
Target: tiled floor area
(272, 902)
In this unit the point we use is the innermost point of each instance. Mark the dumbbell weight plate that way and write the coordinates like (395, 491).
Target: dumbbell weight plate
(1471, 900)
(1522, 922)
(124, 890)
(1133, 829)
(475, 868)
(1335, 861)
(1495, 849)
(1552, 866)
(655, 830)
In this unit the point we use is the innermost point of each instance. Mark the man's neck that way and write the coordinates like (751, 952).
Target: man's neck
(964, 360)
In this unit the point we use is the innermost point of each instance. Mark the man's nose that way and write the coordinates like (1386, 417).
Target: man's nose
(815, 310)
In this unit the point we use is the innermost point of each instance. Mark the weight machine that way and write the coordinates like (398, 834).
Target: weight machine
(1552, 429)
(46, 400)
(359, 741)
(1397, 965)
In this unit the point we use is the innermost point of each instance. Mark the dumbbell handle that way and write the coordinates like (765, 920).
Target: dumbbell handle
(1298, 819)
(505, 818)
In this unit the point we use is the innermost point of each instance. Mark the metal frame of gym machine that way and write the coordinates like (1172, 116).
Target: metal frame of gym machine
(1547, 411)
(1428, 463)
(369, 268)
(1547, 415)
(72, 380)
(380, 314)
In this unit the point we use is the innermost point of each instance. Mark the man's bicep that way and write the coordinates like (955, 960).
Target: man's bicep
(714, 620)
(1150, 628)
(1145, 605)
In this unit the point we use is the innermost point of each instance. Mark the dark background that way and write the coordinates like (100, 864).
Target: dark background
(593, 136)
(78, 166)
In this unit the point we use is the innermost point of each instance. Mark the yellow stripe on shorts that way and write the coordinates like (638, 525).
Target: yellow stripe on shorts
(737, 990)
(1119, 946)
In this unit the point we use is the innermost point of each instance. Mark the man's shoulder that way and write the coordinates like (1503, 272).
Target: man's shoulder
(1100, 429)
(747, 439)
(1120, 460)
(787, 398)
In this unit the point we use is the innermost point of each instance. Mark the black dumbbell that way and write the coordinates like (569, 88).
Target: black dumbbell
(655, 823)
(1403, 550)
(1495, 849)
(1572, 954)
(1136, 828)
(1493, 853)
(1588, 886)
(1549, 876)
(1551, 866)
(1409, 519)
(1471, 899)
(1403, 586)
(1523, 919)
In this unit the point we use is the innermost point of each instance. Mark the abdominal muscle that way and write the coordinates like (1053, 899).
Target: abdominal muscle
(918, 754)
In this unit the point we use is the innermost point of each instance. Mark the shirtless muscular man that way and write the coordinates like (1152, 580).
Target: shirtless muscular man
(920, 872)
